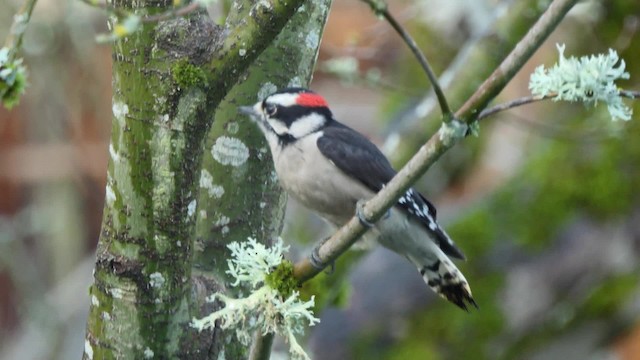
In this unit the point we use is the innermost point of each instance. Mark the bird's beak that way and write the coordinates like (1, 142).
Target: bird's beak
(249, 110)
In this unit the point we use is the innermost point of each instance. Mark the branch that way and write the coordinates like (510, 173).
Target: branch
(437, 145)
(261, 346)
(169, 14)
(253, 35)
(510, 105)
(175, 12)
(380, 7)
(631, 94)
(475, 58)
(19, 27)
(515, 60)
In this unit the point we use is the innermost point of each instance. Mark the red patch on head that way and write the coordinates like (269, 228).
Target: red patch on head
(311, 100)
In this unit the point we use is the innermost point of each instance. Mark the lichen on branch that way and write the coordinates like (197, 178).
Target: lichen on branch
(588, 79)
(265, 309)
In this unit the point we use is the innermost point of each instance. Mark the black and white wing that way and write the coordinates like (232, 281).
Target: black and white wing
(359, 158)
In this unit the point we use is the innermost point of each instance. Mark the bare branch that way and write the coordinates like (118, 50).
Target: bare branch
(19, 27)
(510, 105)
(106, 7)
(169, 14)
(175, 12)
(261, 346)
(437, 144)
(380, 8)
(515, 60)
(530, 99)
(631, 94)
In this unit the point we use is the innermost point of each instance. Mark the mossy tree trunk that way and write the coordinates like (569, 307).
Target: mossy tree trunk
(241, 200)
(170, 79)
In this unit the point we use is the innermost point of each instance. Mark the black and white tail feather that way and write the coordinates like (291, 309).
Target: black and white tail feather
(438, 271)
(330, 167)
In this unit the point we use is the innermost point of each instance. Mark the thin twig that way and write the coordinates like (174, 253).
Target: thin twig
(169, 14)
(522, 52)
(106, 7)
(510, 105)
(380, 8)
(19, 27)
(452, 78)
(436, 146)
(631, 94)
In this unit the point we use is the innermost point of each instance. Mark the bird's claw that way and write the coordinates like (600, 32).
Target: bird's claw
(361, 216)
(317, 262)
(363, 219)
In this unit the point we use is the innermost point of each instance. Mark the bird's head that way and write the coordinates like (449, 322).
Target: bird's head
(290, 114)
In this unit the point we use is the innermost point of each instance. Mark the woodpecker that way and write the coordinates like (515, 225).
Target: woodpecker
(331, 169)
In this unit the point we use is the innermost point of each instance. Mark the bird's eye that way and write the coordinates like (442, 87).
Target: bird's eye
(270, 109)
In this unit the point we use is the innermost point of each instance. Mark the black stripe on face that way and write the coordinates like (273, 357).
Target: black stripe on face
(285, 139)
(289, 114)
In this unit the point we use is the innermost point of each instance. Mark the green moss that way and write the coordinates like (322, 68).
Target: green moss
(187, 75)
(281, 279)
(606, 299)
(13, 81)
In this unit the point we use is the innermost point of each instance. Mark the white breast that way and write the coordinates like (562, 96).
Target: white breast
(316, 182)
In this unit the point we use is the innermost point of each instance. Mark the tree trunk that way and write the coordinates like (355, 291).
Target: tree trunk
(151, 277)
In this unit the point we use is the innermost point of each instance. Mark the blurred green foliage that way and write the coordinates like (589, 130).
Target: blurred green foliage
(586, 177)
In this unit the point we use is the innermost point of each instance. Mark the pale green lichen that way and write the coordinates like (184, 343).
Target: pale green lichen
(120, 111)
(163, 174)
(230, 151)
(110, 195)
(266, 89)
(222, 220)
(296, 81)
(88, 349)
(116, 293)
(452, 131)
(156, 280)
(232, 127)
(206, 182)
(265, 309)
(120, 176)
(191, 208)
(589, 79)
(312, 39)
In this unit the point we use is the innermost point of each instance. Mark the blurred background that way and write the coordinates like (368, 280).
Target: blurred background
(545, 203)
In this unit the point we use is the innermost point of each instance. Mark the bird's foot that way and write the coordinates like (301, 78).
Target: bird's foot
(317, 262)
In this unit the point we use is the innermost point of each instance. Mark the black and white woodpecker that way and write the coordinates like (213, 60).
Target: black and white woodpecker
(330, 168)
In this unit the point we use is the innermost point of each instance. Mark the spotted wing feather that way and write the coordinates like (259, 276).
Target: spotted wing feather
(359, 158)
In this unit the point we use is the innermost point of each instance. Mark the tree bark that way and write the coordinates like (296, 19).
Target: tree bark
(245, 200)
(169, 79)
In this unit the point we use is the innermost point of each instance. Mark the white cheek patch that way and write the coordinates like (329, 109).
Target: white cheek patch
(306, 125)
(283, 99)
(278, 126)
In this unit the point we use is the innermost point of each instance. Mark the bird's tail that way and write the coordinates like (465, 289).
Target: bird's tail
(444, 278)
